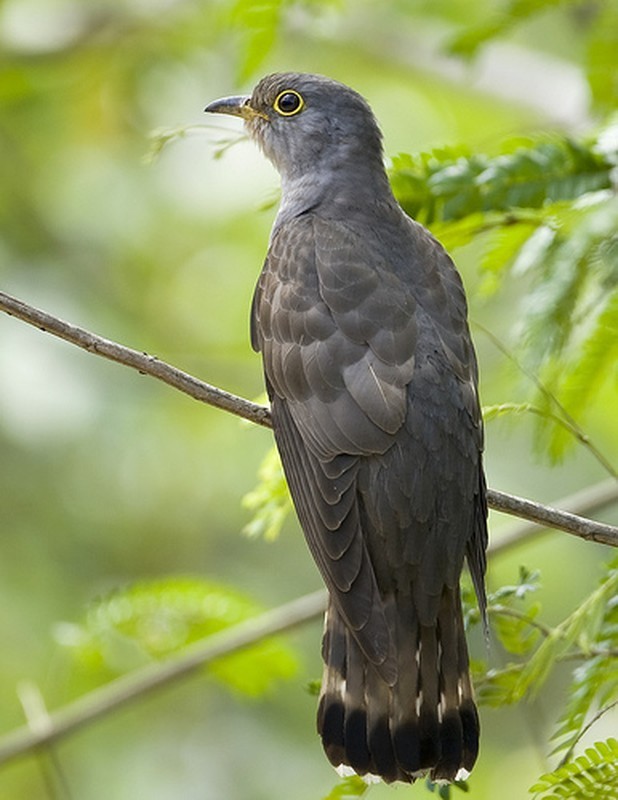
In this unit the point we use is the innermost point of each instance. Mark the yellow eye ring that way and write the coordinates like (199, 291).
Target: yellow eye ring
(288, 103)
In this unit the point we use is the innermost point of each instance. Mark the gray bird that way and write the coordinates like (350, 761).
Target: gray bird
(360, 317)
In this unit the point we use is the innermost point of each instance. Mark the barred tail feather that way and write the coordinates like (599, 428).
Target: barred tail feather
(426, 722)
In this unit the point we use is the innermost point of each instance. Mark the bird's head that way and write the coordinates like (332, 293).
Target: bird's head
(308, 123)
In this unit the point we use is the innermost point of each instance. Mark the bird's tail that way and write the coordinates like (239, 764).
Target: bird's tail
(425, 722)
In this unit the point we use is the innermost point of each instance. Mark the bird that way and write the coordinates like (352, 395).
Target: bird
(361, 320)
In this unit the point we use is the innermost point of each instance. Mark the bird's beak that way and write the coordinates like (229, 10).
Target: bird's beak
(238, 106)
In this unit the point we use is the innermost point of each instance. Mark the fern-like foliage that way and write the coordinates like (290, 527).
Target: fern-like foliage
(595, 680)
(449, 184)
(588, 637)
(155, 619)
(591, 776)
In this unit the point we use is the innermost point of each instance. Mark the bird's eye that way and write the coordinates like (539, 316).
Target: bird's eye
(288, 103)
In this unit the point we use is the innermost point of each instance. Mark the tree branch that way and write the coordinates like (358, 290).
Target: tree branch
(142, 362)
(55, 724)
(587, 501)
(150, 365)
(549, 517)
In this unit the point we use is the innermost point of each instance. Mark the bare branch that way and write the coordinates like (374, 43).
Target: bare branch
(549, 517)
(150, 365)
(142, 362)
(99, 702)
(587, 501)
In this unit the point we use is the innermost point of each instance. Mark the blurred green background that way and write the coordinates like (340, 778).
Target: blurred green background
(109, 479)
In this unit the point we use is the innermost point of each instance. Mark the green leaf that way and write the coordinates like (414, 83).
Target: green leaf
(348, 788)
(496, 687)
(155, 619)
(270, 500)
(503, 244)
(590, 776)
(593, 364)
(500, 23)
(258, 24)
(517, 632)
(570, 317)
(528, 581)
(595, 681)
(580, 626)
(450, 184)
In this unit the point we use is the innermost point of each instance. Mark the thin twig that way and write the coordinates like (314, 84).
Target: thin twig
(562, 417)
(142, 362)
(586, 501)
(569, 753)
(157, 675)
(505, 611)
(150, 365)
(550, 517)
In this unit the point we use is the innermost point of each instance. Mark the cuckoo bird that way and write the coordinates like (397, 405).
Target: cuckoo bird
(361, 319)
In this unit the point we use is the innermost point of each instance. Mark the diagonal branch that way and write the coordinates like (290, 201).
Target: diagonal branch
(142, 362)
(150, 365)
(586, 501)
(55, 724)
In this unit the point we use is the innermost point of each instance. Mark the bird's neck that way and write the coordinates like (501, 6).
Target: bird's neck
(335, 193)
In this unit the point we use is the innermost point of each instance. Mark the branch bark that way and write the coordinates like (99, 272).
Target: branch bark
(587, 501)
(142, 362)
(211, 395)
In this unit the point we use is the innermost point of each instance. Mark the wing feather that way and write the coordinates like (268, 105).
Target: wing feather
(372, 379)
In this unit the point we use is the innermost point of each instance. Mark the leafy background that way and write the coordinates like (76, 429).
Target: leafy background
(125, 211)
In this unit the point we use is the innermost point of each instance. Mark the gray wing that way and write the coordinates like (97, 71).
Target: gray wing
(372, 380)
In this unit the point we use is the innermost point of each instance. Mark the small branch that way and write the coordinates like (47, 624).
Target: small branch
(581, 655)
(586, 501)
(150, 365)
(142, 362)
(505, 611)
(569, 753)
(550, 517)
(159, 674)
